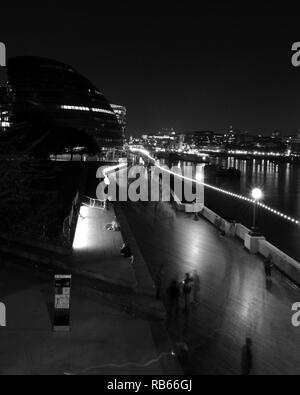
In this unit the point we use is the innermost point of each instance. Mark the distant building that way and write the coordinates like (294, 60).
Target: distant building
(121, 114)
(269, 144)
(199, 139)
(5, 101)
(276, 135)
(66, 96)
(166, 139)
(204, 139)
(231, 137)
(294, 144)
(232, 142)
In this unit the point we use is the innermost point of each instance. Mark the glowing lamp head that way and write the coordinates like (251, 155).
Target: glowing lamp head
(199, 177)
(257, 194)
(106, 180)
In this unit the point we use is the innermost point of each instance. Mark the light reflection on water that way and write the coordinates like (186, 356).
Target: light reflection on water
(280, 182)
(281, 185)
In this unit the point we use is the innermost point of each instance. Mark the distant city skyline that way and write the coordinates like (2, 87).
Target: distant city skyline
(173, 66)
(231, 128)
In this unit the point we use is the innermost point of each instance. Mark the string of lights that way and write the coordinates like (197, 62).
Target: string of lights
(228, 193)
(128, 364)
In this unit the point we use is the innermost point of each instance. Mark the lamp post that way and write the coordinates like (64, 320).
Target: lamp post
(257, 196)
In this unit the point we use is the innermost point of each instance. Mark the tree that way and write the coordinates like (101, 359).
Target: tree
(29, 201)
(26, 207)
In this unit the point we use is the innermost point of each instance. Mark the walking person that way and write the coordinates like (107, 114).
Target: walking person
(187, 290)
(173, 293)
(268, 264)
(247, 358)
(183, 352)
(159, 281)
(220, 226)
(232, 229)
(217, 223)
(196, 286)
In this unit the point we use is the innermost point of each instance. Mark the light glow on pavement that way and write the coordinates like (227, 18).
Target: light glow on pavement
(82, 230)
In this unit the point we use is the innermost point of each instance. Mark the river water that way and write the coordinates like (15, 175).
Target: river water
(281, 187)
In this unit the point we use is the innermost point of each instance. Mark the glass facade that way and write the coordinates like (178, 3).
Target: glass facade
(121, 114)
(68, 97)
(5, 102)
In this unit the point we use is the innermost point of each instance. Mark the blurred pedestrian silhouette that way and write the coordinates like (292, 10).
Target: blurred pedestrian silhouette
(107, 204)
(187, 290)
(182, 352)
(173, 293)
(218, 223)
(196, 286)
(232, 229)
(159, 281)
(220, 226)
(268, 266)
(247, 358)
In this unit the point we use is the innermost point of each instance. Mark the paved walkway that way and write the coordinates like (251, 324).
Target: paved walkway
(234, 301)
(97, 250)
(111, 334)
(97, 255)
(102, 336)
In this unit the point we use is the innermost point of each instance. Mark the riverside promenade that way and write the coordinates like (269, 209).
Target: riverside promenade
(117, 324)
(114, 330)
(234, 301)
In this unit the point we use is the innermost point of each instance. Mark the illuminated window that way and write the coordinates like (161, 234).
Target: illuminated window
(78, 108)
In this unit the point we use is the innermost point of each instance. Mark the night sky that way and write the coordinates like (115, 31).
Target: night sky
(190, 66)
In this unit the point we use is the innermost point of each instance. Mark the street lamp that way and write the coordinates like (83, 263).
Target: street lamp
(257, 195)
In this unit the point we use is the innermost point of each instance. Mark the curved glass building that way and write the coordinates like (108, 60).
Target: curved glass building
(69, 98)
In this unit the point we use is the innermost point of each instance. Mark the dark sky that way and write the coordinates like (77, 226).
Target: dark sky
(191, 66)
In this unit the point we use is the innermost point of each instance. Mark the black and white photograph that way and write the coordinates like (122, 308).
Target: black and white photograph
(149, 191)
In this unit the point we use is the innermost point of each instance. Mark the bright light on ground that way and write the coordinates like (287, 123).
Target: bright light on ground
(82, 230)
